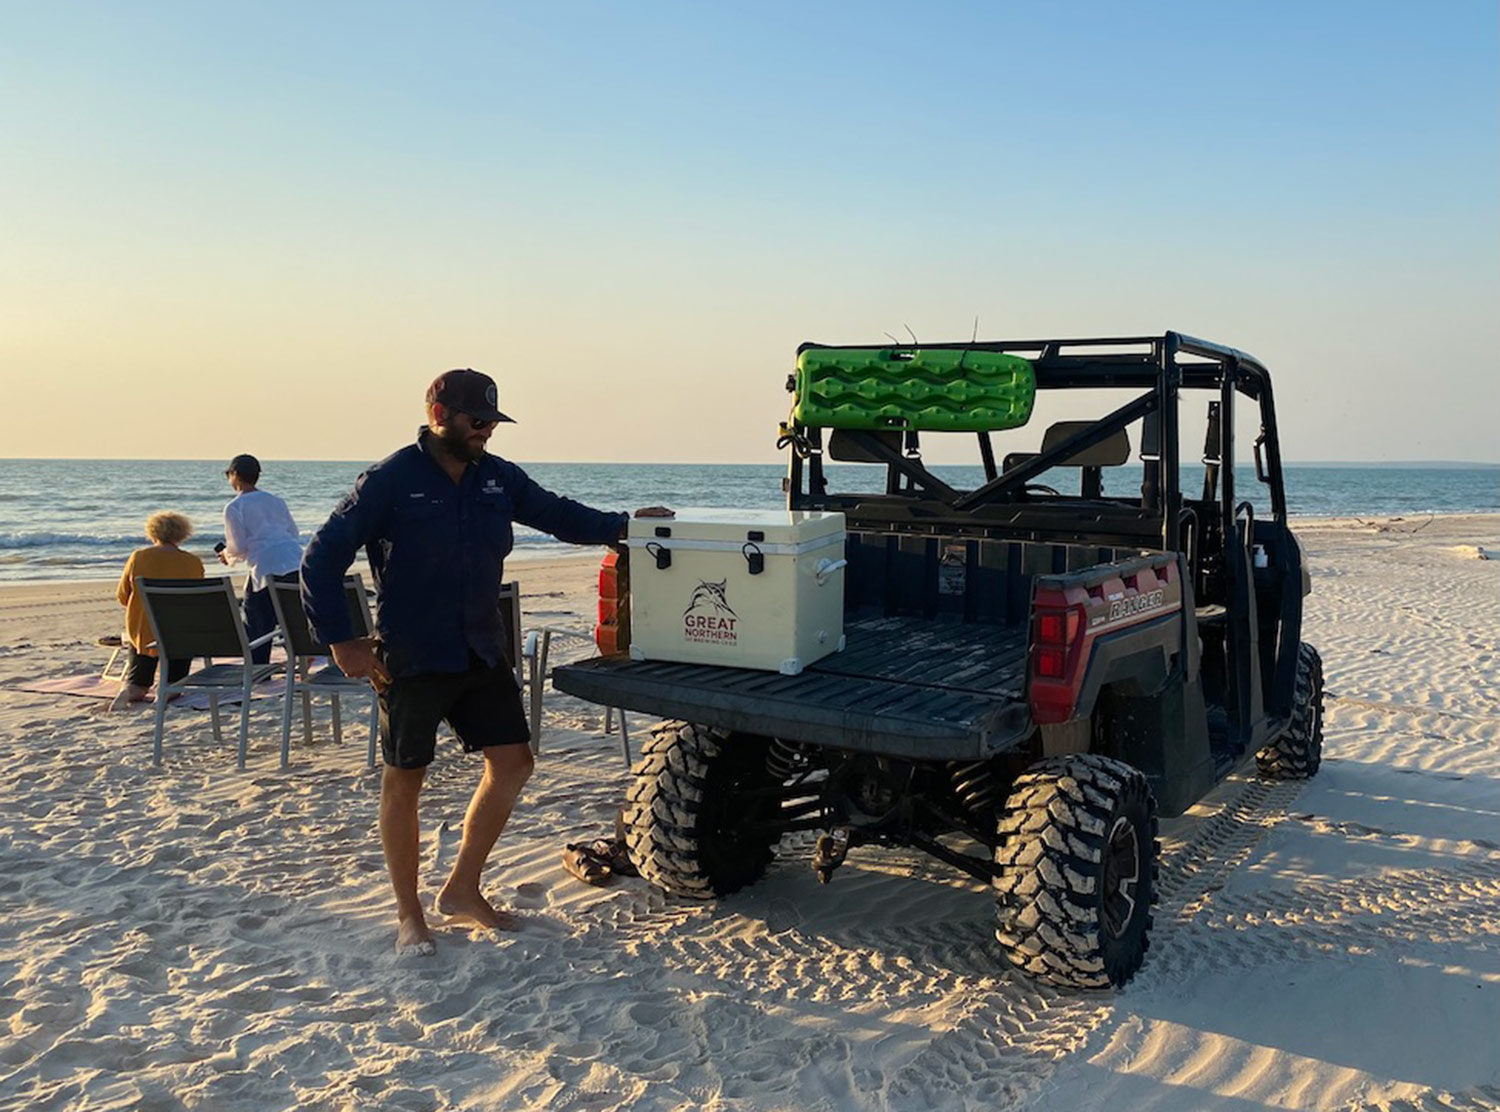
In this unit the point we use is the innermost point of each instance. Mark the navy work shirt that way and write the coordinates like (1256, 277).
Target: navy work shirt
(437, 550)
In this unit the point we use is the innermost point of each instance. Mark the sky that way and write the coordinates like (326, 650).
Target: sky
(265, 227)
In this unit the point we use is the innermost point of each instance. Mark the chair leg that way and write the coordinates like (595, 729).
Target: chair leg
(374, 727)
(338, 725)
(538, 682)
(624, 739)
(213, 710)
(244, 721)
(307, 718)
(286, 715)
(161, 719)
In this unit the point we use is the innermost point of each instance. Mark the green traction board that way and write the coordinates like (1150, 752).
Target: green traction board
(938, 390)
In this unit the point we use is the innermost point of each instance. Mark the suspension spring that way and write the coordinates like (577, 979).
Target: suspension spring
(975, 786)
(785, 759)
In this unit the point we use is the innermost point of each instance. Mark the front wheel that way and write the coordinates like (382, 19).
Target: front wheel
(1298, 752)
(1075, 872)
(697, 818)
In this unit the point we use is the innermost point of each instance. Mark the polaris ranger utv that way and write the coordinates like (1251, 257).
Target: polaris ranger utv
(1033, 670)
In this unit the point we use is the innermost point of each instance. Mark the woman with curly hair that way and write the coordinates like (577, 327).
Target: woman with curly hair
(166, 531)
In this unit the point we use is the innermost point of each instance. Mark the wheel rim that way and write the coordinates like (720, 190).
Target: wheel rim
(1122, 875)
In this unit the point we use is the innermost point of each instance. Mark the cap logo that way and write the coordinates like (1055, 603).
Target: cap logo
(491, 395)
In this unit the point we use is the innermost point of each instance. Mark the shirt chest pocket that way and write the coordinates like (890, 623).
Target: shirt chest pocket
(492, 524)
(419, 529)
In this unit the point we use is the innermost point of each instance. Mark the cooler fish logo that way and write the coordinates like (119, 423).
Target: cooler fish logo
(709, 619)
(713, 595)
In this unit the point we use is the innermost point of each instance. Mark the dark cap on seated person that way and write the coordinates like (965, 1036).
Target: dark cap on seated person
(467, 391)
(245, 466)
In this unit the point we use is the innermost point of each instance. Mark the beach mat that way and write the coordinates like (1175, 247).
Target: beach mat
(93, 687)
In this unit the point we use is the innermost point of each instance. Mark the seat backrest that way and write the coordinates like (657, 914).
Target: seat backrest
(286, 597)
(1108, 453)
(843, 446)
(510, 610)
(194, 617)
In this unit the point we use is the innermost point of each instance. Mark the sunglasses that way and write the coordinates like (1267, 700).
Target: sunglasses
(478, 424)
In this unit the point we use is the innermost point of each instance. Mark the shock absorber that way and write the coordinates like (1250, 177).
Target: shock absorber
(785, 759)
(975, 786)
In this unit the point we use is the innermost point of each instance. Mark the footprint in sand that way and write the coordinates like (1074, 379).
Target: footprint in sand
(782, 915)
(531, 896)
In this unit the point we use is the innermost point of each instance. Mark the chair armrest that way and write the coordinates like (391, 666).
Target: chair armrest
(259, 641)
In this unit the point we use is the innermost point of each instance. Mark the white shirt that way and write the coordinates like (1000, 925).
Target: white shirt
(258, 528)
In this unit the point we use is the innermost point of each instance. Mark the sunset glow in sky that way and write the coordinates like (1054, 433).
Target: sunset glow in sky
(266, 226)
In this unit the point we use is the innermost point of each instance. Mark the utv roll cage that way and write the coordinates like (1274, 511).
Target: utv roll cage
(1008, 506)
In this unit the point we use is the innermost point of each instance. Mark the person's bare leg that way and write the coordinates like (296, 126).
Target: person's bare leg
(400, 838)
(506, 770)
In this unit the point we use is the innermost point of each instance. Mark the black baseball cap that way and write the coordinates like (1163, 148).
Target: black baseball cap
(468, 391)
(245, 466)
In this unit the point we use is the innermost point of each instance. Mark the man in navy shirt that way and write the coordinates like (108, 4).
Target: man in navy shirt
(436, 520)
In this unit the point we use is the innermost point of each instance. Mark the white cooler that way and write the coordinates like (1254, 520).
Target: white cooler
(743, 588)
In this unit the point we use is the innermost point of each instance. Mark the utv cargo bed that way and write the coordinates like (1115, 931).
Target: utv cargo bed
(906, 687)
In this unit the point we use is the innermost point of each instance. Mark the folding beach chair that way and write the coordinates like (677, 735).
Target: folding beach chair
(201, 618)
(521, 656)
(116, 644)
(302, 648)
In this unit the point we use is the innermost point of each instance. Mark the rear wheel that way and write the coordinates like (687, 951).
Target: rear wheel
(1298, 752)
(691, 815)
(1075, 873)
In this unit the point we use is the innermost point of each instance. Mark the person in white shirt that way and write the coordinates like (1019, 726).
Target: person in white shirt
(258, 529)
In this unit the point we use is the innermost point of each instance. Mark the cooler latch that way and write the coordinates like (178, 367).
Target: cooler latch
(754, 557)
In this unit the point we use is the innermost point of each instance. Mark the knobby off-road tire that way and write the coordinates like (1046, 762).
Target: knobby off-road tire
(1075, 871)
(1298, 752)
(686, 811)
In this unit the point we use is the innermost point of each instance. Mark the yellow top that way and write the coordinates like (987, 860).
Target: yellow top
(160, 561)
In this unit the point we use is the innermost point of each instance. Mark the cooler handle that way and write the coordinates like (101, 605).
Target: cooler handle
(826, 568)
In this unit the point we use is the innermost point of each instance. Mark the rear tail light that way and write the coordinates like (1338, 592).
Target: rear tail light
(1057, 627)
(612, 633)
(1051, 664)
(1056, 650)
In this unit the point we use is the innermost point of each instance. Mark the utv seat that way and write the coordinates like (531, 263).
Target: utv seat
(1108, 453)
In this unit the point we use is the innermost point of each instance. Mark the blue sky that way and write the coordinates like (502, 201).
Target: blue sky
(631, 214)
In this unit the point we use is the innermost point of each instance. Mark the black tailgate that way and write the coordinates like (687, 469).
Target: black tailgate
(902, 686)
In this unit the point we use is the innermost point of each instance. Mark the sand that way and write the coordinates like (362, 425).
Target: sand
(190, 936)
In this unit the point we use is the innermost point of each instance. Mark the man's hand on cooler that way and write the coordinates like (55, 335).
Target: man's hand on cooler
(357, 658)
(648, 511)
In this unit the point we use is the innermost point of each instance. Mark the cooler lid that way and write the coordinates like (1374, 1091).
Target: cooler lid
(709, 523)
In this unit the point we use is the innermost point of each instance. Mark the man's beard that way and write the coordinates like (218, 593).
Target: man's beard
(459, 445)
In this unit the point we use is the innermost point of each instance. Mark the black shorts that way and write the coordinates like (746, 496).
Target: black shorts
(482, 705)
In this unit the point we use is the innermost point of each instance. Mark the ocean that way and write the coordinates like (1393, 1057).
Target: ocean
(80, 519)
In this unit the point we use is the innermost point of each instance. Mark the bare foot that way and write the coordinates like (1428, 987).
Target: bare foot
(128, 694)
(413, 939)
(474, 910)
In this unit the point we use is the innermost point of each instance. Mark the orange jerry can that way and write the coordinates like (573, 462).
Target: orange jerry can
(612, 633)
